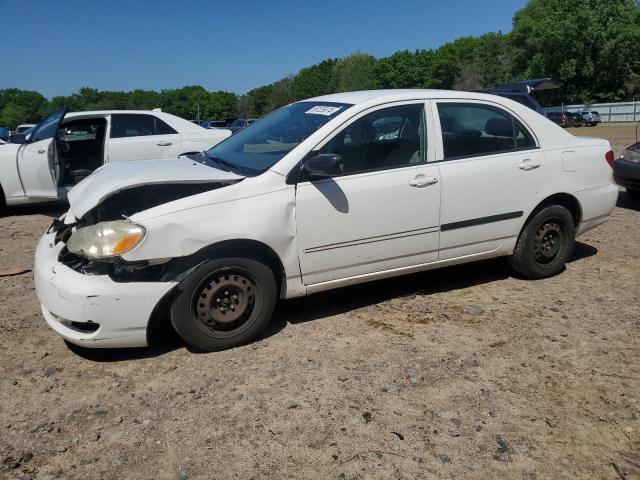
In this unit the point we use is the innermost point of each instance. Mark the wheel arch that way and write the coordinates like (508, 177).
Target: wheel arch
(566, 200)
(180, 267)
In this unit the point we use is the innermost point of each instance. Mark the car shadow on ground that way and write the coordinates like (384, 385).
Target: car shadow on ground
(624, 201)
(53, 210)
(340, 301)
(448, 279)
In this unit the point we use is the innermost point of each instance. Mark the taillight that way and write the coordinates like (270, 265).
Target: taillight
(609, 158)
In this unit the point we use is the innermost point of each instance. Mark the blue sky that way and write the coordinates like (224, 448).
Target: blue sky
(57, 47)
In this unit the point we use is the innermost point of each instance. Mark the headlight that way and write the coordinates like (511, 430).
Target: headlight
(106, 239)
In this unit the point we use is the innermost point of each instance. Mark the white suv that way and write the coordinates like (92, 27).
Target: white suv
(322, 193)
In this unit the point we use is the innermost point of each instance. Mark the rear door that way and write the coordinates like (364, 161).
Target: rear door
(491, 169)
(38, 164)
(138, 136)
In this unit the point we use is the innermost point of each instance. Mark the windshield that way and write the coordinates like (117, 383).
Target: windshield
(261, 145)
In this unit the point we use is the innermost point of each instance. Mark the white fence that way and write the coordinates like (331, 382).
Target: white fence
(609, 112)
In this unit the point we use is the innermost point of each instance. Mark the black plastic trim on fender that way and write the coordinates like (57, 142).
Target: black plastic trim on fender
(480, 221)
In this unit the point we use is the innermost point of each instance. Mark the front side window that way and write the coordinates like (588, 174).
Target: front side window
(470, 130)
(265, 142)
(388, 138)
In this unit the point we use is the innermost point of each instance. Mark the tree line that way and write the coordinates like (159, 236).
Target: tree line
(591, 46)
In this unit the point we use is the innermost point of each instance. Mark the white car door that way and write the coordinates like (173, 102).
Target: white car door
(382, 212)
(491, 168)
(37, 160)
(139, 136)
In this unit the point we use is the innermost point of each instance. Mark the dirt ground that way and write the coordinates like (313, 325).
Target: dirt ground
(467, 372)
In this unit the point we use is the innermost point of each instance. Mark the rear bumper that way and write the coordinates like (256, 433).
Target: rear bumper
(627, 174)
(121, 311)
(596, 204)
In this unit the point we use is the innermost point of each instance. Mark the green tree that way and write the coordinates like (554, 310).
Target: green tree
(11, 116)
(355, 72)
(592, 46)
(21, 106)
(447, 60)
(313, 81)
(404, 69)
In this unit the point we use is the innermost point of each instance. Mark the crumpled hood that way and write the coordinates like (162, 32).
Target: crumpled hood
(115, 177)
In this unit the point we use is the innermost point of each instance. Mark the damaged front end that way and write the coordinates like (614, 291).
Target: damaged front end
(117, 206)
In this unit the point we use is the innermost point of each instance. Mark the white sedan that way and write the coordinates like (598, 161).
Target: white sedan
(320, 194)
(66, 147)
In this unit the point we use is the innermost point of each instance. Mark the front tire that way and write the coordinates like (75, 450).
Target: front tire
(634, 195)
(545, 244)
(224, 303)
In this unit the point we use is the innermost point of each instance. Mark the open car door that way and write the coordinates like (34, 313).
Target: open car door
(38, 163)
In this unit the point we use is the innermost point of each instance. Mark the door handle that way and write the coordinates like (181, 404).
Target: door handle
(42, 150)
(164, 144)
(422, 181)
(528, 165)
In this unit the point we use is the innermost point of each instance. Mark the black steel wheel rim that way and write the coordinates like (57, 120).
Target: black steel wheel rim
(224, 301)
(549, 241)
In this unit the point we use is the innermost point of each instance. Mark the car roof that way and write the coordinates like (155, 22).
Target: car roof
(395, 95)
(99, 113)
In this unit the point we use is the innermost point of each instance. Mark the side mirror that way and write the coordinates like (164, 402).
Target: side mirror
(18, 138)
(324, 165)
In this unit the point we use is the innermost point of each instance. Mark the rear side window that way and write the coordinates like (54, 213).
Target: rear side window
(470, 130)
(136, 125)
(162, 128)
(524, 140)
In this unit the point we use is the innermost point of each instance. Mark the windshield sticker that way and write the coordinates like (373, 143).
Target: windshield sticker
(323, 110)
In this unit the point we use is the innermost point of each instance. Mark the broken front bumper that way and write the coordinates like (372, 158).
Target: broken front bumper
(93, 310)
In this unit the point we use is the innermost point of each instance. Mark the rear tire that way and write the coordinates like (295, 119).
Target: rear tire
(545, 243)
(224, 303)
(634, 195)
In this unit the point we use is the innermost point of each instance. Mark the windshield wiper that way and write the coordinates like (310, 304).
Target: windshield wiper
(220, 161)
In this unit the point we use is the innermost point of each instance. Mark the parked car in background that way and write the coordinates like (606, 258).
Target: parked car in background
(589, 118)
(64, 148)
(201, 123)
(564, 119)
(218, 124)
(322, 193)
(576, 119)
(626, 171)
(4, 135)
(240, 123)
(522, 91)
(25, 126)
